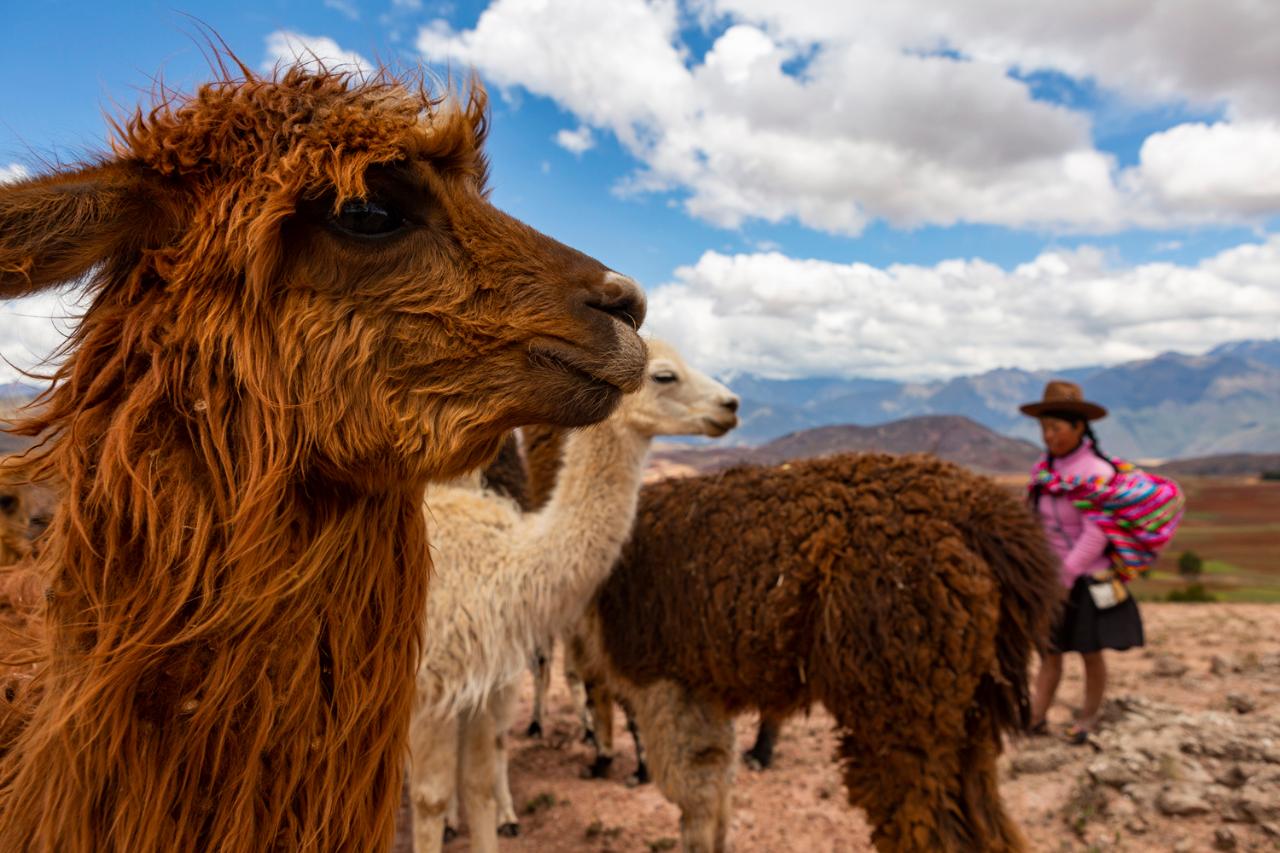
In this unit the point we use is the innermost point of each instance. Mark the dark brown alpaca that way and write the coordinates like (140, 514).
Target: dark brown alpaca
(302, 308)
(905, 594)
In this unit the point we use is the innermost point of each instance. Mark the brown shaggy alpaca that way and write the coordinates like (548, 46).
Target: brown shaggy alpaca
(905, 594)
(302, 308)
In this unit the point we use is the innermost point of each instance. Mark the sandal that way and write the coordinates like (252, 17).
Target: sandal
(1040, 729)
(1077, 735)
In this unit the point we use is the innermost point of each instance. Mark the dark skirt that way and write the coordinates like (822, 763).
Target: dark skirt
(1084, 628)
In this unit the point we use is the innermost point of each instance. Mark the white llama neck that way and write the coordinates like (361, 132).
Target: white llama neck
(579, 534)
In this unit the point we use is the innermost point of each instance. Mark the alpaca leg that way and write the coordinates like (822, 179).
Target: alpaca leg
(479, 779)
(641, 776)
(581, 697)
(540, 666)
(760, 755)
(930, 796)
(433, 771)
(452, 820)
(503, 709)
(691, 755)
(601, 703)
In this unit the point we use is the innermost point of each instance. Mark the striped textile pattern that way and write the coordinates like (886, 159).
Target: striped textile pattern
(1138, 511)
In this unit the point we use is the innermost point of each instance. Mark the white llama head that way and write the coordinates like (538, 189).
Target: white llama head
(676, 399)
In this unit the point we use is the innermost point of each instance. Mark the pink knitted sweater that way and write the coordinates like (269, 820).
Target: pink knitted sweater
(1079, 543)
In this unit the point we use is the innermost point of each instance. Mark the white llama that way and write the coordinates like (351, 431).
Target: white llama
(503, 580)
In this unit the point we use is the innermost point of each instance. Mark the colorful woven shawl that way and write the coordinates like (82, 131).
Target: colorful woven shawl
(1137, 511)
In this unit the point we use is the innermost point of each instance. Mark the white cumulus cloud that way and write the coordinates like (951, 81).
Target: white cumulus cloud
(1213, 170)
(285, 47)
(13, 172)
(34, 327)
(771, 314)
(577, 141)
(833, 115)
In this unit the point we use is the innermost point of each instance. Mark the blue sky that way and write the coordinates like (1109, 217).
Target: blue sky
(910, 193)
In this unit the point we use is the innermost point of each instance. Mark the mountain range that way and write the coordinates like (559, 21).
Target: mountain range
(1170, 406)
(951, 437)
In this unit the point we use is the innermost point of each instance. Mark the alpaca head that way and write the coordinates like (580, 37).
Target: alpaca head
(676, 399)
(307, 269)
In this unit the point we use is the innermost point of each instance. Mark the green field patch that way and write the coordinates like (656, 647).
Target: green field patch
(1200, 515)
(1251, 594)
(1218, 567)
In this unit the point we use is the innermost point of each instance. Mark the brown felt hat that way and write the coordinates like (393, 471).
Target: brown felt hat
(1065, 398)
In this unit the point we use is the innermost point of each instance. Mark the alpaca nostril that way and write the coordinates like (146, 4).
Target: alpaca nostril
(620, 297)
(731, 404)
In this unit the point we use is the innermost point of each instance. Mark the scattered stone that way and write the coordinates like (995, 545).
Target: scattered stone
(1180, 801)
(1184, 845)
(1224, 839)
(1234, 776)
(1169, 666)
(1256, 807)
(1270, 829)
(1218, 665)
(1116, 772)
(1122, 807)
(1240, 703)
(1041, 760)
(1136, 825)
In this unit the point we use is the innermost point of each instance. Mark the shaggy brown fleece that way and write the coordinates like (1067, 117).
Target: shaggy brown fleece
(905, 594)
(244, 424)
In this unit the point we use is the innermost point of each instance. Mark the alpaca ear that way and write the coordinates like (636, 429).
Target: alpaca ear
(54, 228)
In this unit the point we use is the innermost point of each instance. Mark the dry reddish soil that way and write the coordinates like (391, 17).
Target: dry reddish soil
(798, 804)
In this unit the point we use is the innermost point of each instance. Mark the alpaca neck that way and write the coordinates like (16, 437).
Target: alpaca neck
(578, 535)
(220, 676)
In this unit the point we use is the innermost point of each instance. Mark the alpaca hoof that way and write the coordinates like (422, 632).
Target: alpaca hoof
(534, 730)
(598, 769)
(755, 762)
(450, 834)
(640, 777)
(509, 830)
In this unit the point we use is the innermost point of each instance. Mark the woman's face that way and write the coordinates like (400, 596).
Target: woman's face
(1061, 437)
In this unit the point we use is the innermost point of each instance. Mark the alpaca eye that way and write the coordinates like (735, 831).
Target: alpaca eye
(366, 218)
(665, 377)
(7, 503)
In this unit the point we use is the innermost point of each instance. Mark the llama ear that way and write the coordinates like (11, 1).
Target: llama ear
(54, 228)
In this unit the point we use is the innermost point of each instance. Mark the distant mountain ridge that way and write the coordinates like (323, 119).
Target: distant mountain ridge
(1173, 405)
(951, 437)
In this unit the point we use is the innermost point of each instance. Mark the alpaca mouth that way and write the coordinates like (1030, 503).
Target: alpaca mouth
(715, 428)
(562, 359)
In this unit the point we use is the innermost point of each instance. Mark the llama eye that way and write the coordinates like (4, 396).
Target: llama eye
(366, 218)
(664, 377)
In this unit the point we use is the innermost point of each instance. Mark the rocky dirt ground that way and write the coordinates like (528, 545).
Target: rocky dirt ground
(1188, 760)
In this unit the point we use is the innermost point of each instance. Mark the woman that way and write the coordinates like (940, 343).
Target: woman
(1084, 627)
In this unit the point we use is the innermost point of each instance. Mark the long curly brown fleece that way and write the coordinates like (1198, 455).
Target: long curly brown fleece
(905, 594)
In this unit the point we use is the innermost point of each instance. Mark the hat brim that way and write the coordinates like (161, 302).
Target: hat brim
(1089, 411)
